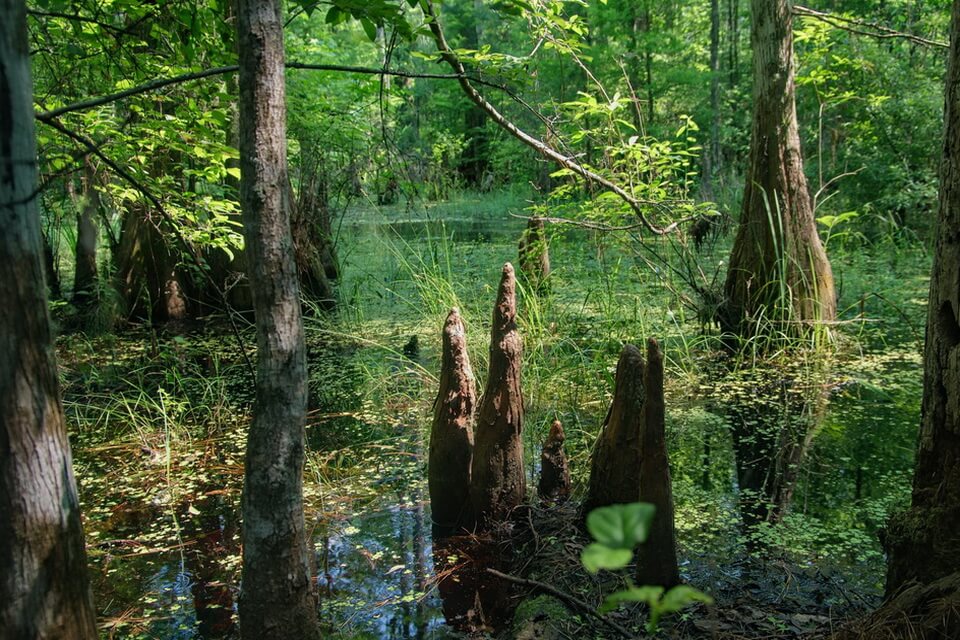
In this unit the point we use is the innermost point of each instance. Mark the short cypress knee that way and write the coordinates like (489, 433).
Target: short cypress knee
(657, 558)
(534, 255)
(498, 482)
(554, 470)
(451, 438)
(615, 469)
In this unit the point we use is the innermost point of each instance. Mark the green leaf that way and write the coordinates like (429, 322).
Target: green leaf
(597, 556)
(681, 596)
(621, 526)
(370, 28)
(647, 594)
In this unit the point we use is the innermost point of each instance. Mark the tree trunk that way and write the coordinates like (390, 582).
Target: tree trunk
(277, 598)
(534, 256)
(44, 590)
(779, 274)
(499, 483)
(85, 286)
(615, 468)
(554, 470)
(712, 154)
(308, 254)
(657, 558)
(922, 543)
(451, 438)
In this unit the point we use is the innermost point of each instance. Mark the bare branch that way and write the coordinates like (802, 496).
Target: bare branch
(866, 28)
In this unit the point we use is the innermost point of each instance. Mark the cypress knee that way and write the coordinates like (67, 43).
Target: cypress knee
(554, 471)
(451, 438)
(498, 483)
(657, 558)
(534, 255)
(615, 469)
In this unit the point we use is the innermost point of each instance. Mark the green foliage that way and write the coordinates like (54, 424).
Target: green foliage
(618, 529)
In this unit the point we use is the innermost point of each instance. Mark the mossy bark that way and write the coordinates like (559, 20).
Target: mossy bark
(498, 480)
(451, 438)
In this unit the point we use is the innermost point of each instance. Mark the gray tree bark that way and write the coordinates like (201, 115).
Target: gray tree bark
(44, 590)
(778, 269)
(277, 598)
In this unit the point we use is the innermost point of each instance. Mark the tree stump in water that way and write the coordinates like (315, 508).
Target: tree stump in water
(451, 438)
(534, 255)
(657, 558)
(498, 483)
(554, 471)
(615, 469)
(630, 460)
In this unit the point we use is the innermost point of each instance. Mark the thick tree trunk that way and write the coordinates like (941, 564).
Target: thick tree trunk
(779, 272)
(615, 468)
(277, 598)
(554, 470)
(499, 483)
(44, 591)
(922, 543)
(308, 254)
(451, 438)
(657, 558)
(85, 286)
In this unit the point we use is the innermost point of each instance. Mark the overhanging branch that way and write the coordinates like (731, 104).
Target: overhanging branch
(864, 28)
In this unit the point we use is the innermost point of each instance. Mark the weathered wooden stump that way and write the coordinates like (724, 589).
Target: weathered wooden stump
(615, 468)
(535, 256)
(657, 558)
(451, 437)
(498, 483)
(554, 470)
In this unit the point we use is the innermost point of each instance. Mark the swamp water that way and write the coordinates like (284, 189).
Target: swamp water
(159, 434)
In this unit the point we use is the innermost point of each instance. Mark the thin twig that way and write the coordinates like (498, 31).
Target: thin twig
(570, 601)
(879, 31)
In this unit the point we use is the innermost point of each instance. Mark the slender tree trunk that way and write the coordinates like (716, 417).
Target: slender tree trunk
(85, 275)
(713, 154)
(922, 543)
(44, 590)
(778, 269)
(277, 598)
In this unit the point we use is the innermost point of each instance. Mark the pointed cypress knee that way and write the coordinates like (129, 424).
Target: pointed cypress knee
(535, 256)
(451, 438)
(615, 468)
(657, 558)
(498, 483)
(554, 470)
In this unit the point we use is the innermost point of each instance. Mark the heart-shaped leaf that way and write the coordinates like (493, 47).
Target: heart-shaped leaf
(598, 556)
(621, 526)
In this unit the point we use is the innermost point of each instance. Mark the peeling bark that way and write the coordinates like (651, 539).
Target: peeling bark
(451, 438)
(499, 483)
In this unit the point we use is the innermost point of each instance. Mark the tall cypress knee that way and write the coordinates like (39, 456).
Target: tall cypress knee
(615, 469)
(499, 483)
(451, 438)
(657, 558)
